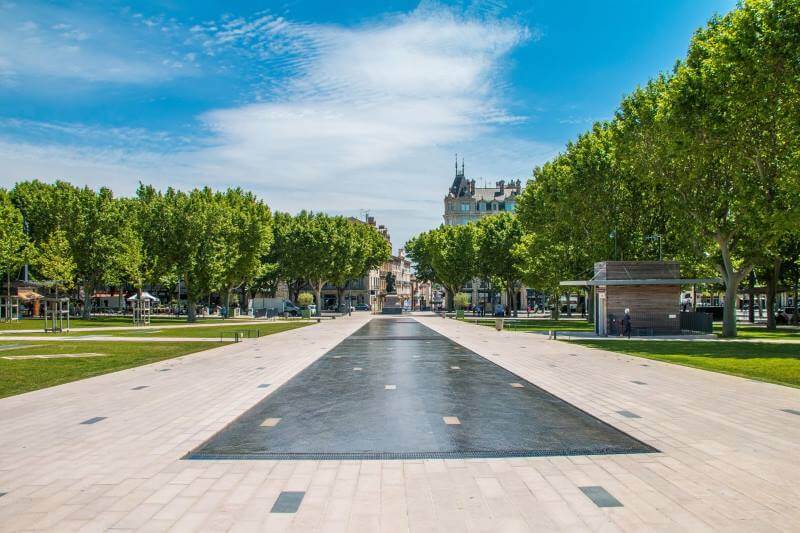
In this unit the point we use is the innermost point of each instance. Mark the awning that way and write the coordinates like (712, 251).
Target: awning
(622, 282)
(26, 295)
(145, 296)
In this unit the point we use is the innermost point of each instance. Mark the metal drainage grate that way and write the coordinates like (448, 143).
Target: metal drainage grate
(391, 338)
(385, 456)
(93, 420)
(628, 414)
(288, 502)
(600, 496)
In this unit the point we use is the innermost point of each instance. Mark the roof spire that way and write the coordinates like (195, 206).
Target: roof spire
(456, 163)
(462, 165)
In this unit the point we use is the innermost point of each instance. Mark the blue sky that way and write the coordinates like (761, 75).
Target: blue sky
(317, 105)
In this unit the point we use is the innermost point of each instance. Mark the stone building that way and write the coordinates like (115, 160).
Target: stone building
(466, 203)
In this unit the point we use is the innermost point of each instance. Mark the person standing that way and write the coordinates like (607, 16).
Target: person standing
(626, 323)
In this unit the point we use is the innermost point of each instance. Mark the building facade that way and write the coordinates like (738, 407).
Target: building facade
(466, 203)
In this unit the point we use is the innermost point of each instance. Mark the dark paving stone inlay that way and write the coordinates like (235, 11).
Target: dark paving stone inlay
(791, 411)
(600, 497)
(628, 414)
(3, 494)
(330, 412)
(287, 502)
(140, 387)
(263, 386)
(94, 420)
(639, 382)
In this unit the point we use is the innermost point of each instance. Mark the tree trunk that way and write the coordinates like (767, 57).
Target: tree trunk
(88, 289)
(555, 311)
(228, 291)
(246, 300)
(339, 296)
(772, 289)
(517, 302)
(731, 278)
(318, 295)
(751, 313)
(450, 299)
(569, 304)
(191, 305)
(796, 312)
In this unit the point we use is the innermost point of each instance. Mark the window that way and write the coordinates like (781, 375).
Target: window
(494, 206)
(464, 207)
(510, 205)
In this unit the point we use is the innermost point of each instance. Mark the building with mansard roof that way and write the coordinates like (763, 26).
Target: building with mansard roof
(465, 202)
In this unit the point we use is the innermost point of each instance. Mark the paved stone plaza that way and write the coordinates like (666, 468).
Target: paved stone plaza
(106, 453)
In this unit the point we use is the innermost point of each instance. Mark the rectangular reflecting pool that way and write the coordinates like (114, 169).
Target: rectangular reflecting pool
(396, 389)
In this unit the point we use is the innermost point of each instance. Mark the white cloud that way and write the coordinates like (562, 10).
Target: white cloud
(51, 42)
(368, 117)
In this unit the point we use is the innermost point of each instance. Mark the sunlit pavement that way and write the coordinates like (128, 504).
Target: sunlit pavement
(106, 453)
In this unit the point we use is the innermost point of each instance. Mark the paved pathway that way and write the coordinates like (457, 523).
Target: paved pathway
(728, 461)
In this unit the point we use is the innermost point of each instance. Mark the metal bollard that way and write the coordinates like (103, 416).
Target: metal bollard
(498, 324)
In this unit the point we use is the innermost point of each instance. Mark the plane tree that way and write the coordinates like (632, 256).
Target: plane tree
(731, 114)
(496, 236)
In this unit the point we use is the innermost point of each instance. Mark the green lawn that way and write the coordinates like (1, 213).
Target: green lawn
(776, 363)
(761, 332)
(18, 376)
(538, 324)
(246, 330)
(38, 323)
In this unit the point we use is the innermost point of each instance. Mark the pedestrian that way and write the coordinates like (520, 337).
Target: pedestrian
(626, 323)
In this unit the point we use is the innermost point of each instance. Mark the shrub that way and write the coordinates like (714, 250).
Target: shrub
(461, 300)
(304, 299)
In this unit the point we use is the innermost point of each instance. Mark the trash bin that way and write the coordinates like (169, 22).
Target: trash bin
(460, 314)
(498, 324)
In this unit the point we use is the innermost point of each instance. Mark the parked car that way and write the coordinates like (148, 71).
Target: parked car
(362, 307)
(782, 317)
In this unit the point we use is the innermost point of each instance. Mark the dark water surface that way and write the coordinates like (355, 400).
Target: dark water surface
(331, 411)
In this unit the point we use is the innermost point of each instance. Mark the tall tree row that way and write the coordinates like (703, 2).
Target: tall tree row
(701, 165)
(199, 242)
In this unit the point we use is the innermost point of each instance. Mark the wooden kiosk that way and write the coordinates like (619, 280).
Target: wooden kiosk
(651, 290)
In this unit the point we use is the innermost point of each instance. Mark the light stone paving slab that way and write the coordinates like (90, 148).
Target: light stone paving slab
(728, 457)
